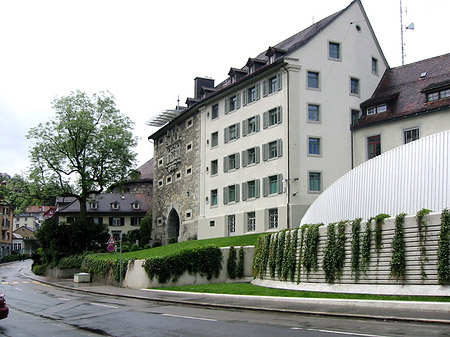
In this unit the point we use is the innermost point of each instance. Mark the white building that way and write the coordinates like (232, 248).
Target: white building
(276, 133)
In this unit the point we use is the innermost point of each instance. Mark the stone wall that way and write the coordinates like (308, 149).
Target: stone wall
(176, 180)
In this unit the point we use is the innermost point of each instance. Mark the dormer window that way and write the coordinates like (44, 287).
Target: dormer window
(115, 205)
(377, 109)
(136, 205)
(272, 59)
(434, 96)
(93, 205)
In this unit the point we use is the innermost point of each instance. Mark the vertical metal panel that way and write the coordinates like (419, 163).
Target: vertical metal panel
(406, 179)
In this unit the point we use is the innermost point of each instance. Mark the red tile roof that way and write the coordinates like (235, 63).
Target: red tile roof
(404, 90)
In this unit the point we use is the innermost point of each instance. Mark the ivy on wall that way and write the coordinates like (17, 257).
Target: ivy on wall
(379, 222)
(365, 247)
(258, 257)
(356, 248)
(300, 252)
(311, 244)
(280, 253)
(292, 255)
(422, 228)
(340, 249)
(231, 263)
(398, 261)
(443, 267)
(273, 248)
(286, 257)
(329, 254)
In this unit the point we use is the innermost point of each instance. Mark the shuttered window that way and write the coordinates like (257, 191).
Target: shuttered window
(272, 117)
(272, 150)
(273, 185)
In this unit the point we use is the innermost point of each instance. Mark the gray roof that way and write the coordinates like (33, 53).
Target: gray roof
(106, 199)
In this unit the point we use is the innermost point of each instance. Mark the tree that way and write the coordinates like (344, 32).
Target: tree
(81, 151)
(146, 229)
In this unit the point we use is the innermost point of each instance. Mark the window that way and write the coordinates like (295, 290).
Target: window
(214, 197)
(378, 109)
(272, 117)
(273, 185)
(214, 167)
(160, 183)
(251, 94)
(272, 150)
(250, 125)
(272, 85)
(354, 116)
(160, 162)
(93, 204)
(188, 214)
(314, 146)
(250, 156)
(177, 175)
(313, 113)
(159, 222)
(372, 110)
(273, 218)
(116, 222)
(231, 194)
(374, 65)
(251, 221)
(231, 133)
(115, 205)
(373, 146)
(231, 162)
(189, 122)
(215, 111)
(136, 205)
(231, 224)
(168, 180)
(214, 139)
(354, 86)
(232, 103)
(188, 170)
(411, 135)
(434, 96)
(161, 140)
(313, 80)
(189, 147)
(315, 183)
(135, 221)
(212, 223)
(334, 51)
(250, 189)
(381, 108)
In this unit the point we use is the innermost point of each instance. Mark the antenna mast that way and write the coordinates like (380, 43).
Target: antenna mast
(401, 30)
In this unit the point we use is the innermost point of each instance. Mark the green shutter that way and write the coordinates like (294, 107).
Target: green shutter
(265, 88)
(258, 122)
(225, 195)
(238, 130)
(238, 100)
(279, 114)
(265, 186)
(258, 90)
(122, 221)
(280, 183)
(236, 159)
(265, 150)
(279, 147)
(244, 158)
(257, 188)
(225, 164)
(279, 80)
(257, 156)
(265, 119)
(236, 189)
(225, 135)
(244, 128)
(244, 191)
(244, 97)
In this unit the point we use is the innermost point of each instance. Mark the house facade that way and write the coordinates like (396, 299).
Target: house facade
(6, 223)
(411, 102)
(24, 240)
(272, 136)
(122, 213)
(32, 217)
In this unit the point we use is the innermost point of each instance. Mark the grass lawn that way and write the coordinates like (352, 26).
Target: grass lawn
(252, 290)
(237, 241)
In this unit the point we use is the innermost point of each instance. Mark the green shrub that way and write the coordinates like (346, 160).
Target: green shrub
(134, 248)
(39, 269)
(398, 261)
(73, 261)
(207, 261)
(241, 261)
(125, 248)
(443, 265)
(173, 240)
(15, 257)
(156, 244)
(231, 263)
(102, 267)
(147, 246)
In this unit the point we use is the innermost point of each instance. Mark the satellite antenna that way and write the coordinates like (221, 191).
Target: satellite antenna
(404, 29)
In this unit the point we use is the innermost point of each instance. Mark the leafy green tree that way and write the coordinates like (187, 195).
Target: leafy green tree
(82, 150)
(146, 229)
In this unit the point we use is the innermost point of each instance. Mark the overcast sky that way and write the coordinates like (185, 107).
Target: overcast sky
(147, 53)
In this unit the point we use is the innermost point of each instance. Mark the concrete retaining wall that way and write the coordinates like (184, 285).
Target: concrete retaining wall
(137, 278)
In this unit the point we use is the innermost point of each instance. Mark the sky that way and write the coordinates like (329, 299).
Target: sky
(147, 53)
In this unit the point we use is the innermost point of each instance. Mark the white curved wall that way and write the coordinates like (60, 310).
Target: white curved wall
(406, 179)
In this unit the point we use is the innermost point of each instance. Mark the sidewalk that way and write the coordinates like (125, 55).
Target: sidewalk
(425, 312)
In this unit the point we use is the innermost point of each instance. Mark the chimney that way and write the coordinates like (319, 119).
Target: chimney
(200, 82)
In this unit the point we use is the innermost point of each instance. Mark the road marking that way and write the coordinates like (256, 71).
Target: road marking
(26, 282)
(346, 333)
(63, 299)
(190, 317)
(4, 282)
(105, 305)
(15, 282)
(296, 328)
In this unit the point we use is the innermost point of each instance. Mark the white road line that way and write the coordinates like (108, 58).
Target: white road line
(105, 305)
(346, 333)
(63, 299)
(296, 328)
(190, 317)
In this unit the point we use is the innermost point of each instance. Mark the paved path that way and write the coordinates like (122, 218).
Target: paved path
(385, 310)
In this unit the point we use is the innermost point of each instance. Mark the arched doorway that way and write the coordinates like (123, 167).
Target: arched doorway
(174, 225)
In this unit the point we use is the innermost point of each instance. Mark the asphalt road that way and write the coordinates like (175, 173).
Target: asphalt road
(37, 309)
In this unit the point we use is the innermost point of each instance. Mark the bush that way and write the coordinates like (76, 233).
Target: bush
(134, 248)
(173, 240)
(125, 248)
(207, 261)
(147, 246)
(15, 257)
(73, 261)
(39, 269)
(156, 244)
(231, 263)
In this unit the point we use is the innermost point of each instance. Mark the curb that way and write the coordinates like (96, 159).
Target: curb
(244, 307)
